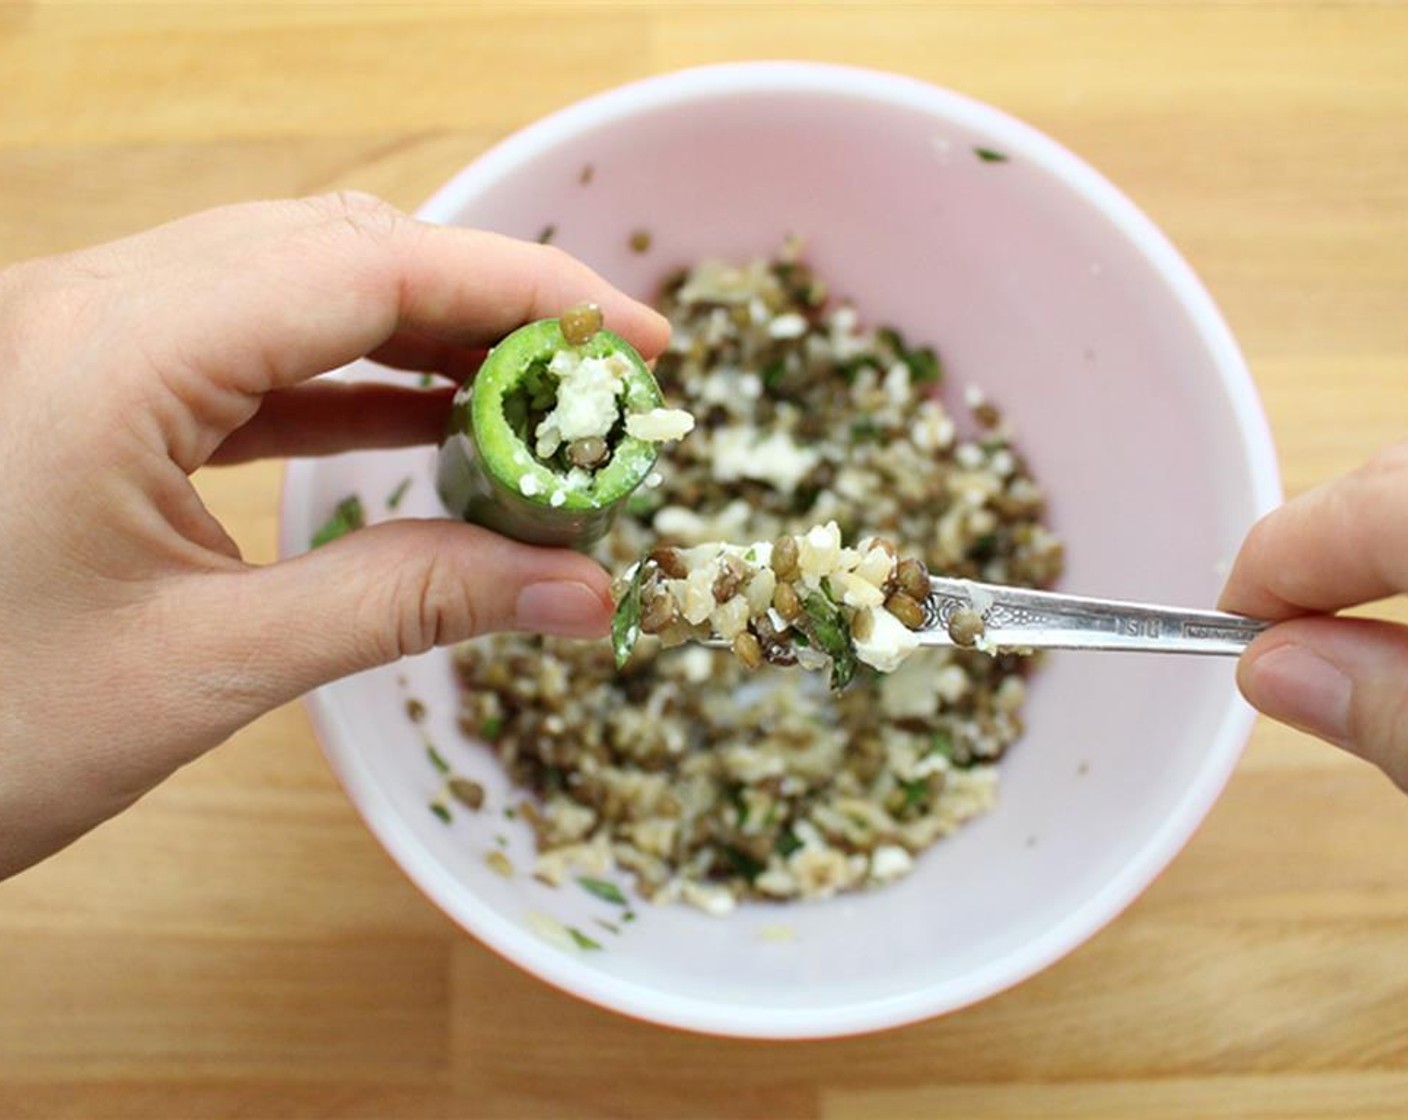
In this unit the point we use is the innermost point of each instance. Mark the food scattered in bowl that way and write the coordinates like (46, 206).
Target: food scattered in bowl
(817, 431)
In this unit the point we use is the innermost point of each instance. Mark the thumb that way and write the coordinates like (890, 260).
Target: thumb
(1344, 680)
(389, 591)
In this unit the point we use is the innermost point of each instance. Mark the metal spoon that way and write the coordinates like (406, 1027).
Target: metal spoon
(1019, 618)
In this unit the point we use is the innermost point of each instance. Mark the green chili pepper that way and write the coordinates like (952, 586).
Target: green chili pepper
(489, 472)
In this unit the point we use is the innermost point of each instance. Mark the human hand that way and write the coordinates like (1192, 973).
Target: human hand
(132, 635)
(1337, 546)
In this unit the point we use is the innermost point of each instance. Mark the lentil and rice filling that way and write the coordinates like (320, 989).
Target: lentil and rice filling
(800, 600)
(815, 436)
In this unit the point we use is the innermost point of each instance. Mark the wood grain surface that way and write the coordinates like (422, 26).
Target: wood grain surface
(239, 946)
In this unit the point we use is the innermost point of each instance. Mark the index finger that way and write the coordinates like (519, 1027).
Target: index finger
(1341, 544)
(270, 294)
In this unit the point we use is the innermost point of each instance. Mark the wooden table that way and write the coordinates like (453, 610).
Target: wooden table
(238, 945)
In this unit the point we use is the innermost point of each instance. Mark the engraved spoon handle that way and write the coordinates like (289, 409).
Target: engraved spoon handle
(1020, 618)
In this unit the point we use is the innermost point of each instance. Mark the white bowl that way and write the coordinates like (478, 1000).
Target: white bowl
(1040, 282)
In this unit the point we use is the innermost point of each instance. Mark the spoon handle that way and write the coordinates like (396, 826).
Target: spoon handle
(1020, 618)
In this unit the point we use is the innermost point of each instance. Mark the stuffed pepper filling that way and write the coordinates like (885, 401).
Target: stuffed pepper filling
(561, 425)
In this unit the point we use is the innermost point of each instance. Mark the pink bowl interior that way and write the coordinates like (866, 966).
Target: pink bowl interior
(1038, 282)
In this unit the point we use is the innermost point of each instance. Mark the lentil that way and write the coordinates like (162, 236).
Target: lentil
(588, 453)
(966, 626)
(580, 323)
(748, 650)
(906, 610)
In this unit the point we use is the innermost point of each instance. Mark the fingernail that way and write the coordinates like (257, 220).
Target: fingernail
(1296, 685)
(564, 608)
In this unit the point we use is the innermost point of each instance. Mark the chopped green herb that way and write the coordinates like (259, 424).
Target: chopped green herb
(415, 710)
(941, 743)
(891, 339)
(988, 155)
(774, 373)
(916, 793)
(490, 727)
(501, 840)
(608, 926)
(865, 430)
(548, 232)
(984, 548)
(427, 380)
(923, 363)
(628, 916)
(740, 805)
(510, 812)
(603, 889)
(441, 811)
(742, 862)
(640, 241)
(348, 516)
(393, 499)
(830, 634)
(437, 760)
(851, 368)
(787, 843)
(625, 623)
(581, 939)
(924, 368)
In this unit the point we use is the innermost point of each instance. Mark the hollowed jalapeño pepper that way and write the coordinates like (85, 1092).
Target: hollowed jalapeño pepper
(555, 432)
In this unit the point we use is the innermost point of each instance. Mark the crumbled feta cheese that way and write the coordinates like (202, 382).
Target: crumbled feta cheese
(889, 643)
(969, 456)
(557, 498)
(790, 325)
(932, 429)
(896, 385)
(950, 684)
(697, 663)
(889, 861)
(909, 691)
(529, 485)
(587, 403)
(738, 453)
(715, 900)
(688, 527)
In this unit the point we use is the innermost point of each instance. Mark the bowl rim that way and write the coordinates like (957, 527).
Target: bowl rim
(518, 945)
